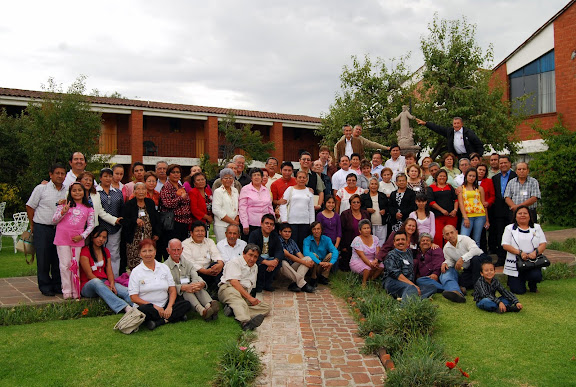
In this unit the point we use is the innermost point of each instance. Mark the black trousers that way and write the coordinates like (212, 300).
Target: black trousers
(518, 284)
(265, 277)
(180, 231)
(470, 275)
(299, 233)
(47, 261)
(497, 227)
(179, 309)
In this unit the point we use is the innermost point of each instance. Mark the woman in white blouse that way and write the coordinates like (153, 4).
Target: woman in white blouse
(225, 204)
(299, 209)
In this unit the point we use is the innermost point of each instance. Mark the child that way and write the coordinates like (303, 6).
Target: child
(424, 218)
(72, 218)
(485, 293)
(330, 221)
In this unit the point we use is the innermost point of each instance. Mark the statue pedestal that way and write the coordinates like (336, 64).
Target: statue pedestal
(408, 149)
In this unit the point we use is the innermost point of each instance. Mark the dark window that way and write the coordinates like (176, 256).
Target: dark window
(535, 82)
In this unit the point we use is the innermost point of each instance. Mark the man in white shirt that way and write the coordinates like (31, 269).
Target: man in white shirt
(203, 254)
(397, 162)
(231, 246)
(339, 178)
(161, 167)
(460, 140)
(238, 280)
(78, 164)
(464, 166)
(272, 166)
(377, 166)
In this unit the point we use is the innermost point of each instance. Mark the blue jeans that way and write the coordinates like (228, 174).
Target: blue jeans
(489, 305)
(449, 280)
(401, 289)
(476, 225)
(429, 282)
(96, 287)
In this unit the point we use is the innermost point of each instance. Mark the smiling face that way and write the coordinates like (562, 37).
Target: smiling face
(351, 182)
(400, 242)
(317, 231)
(523, 217)
(78, 163)
(77, 192)
(441, 178)
(198, 234)
(330, 204)
(140, 192)
(267, 226)
(376, 159)
(147, 253)
(410, 226)
(413, 172)
(425, 244)
(386, 176)
(373, 185)
(200, 182)
(457, 124)
(287, 172)
(175, 175)
(257, 179)
(150, 183)
(504, 164)
(175, 250)
(272, 166)
(58, 176)
(305, 161)
(232, 235)
(355, 204)
(355, 162)
(87, 182)
(488, 271)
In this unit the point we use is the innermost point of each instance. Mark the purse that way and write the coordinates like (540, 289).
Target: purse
(131, 321)
(25, 245)
(167, 220)
(529, 264)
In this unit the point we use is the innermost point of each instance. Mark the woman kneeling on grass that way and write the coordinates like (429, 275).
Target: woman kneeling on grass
(365, 247)
(96, 270)
(152, 287)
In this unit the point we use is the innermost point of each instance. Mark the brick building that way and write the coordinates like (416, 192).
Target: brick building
(149, 131)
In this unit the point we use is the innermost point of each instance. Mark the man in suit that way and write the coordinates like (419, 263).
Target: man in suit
(461, 141)
(500, 213)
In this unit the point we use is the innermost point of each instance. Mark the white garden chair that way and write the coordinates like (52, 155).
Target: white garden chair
(2, 208)
(14, 228)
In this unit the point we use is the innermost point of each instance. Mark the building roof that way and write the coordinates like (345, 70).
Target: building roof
(135, 103)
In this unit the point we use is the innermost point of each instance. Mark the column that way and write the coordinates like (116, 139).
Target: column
(211, 138)
(277, 136)
(136, 133)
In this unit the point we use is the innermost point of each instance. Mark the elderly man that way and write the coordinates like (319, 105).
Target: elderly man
(494, 165)
(317, 168)
(40, 209)
(314, 183)
(464, 165)
(377, 165)
(161, 167)
(236, 285)
(433, 168)
(218, 182)
(339, 178)
(354, 143)
(188, 284)
(272, 254)
(522, 190)
(231, 246)
(461, 141)
(428, 267)
(397, 162)
(500, 213)
(77, 164)
(241, 175)
(272, 167)
(462, 253)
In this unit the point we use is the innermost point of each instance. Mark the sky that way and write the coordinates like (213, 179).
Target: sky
(283, 57)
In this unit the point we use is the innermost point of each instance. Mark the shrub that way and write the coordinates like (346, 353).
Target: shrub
(11, 195)
(412, 318)
(240, 365)
(558, 271)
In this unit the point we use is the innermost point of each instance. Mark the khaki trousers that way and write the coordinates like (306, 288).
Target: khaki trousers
(295, 271)
(243, 310)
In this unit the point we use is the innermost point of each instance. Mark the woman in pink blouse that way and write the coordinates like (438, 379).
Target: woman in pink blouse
(254, 201)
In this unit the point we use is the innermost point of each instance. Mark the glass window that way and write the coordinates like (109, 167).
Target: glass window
(533, 87)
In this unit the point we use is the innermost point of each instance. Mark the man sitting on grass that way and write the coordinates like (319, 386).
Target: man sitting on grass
(485, 293)
(294, 265)
(237, 281)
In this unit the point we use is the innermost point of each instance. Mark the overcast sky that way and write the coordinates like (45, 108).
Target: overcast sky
(261, 55)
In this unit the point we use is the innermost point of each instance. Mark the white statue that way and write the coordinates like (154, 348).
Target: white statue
(405, 134)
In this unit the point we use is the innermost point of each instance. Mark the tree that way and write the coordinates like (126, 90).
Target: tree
(243, 138)
(454, 84)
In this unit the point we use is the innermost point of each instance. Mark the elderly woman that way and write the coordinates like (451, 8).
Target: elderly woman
(364, 249)
(525, 239)
(150, 180)
(225, 204)
(299, 208)
(449, 165)
(343, 194)
(415, 181)
(140, 222)
(376, 204)
(322, 251)
(96, 270)
(152, 287)
(401, 202)
(350, 220)
(201, 199)
(175, 199)
(424, 166)
(254, 201)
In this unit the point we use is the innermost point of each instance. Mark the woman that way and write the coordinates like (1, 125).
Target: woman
(364, 249)
(526, 239)
(345, 193)
(402, 202)
(364, 178)
(299, 208)
(424, 165)
(96, 270)
(444, 203)
(473, 207)
(188, 182)
(424, 218)
(448, 162)
(387, 186)
(474, 159)
(87, 180)
(330, 221)
(324, 254)
(355, 163)
(138, 172)
(410, 227)
(254, 201)
(415, 181)
(201, 199)
(150, 180)
(225, 204)
(376, 204)
(152, 287)
(117, 176)
(173, 198)
(489, 194)
(349, 220)
(140, 222)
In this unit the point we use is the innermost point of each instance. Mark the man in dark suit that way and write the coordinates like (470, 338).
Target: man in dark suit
(500, 214)
(461, 141)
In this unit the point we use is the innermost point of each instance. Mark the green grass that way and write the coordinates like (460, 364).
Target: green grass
(552, 227)
(534, 347)
(569, 245)
(89, 352)
(14, 265)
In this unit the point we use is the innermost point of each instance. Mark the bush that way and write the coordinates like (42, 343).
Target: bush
(240, 365)
(11, 195)
(558, 271)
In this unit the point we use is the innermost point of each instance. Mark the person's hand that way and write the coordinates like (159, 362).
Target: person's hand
(444, 267)
(374, 264)
(458, 190)
(159, 309)
(485, 204)
(253, 301)
(65, 208)
(434, 246)
(419, 291)
(453, 213)
(444, 212)
(118, 220)
(77, 238)
(155, 238)
(325, 265)
(139, 222)
(245, 230)
(309, 264)
(208, 218)
(513, 208)
(112, 287)
(316, 208)
(466, 222)
(420, 122)
(487, 225)
(167, 312)
(519, 306)
(532, 255)
(524, 256)
(371, 210)
(434, 277)
(382, 212)
(459, 264)
(61, 202)
(399, 216)
(281, 201)
(502, 307)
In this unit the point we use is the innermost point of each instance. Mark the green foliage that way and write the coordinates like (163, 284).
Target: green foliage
(13, 159)
(244, 139)
(11, 195)
(555, 175)
(558, 271)
(455, 84)
(240, 364)
(371, 94)
(569, 245)
(208, 167)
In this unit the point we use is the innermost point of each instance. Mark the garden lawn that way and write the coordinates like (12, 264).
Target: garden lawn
(89, 352)
(535, 347)
(14, 265)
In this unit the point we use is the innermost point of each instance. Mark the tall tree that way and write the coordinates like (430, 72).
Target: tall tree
(243, 138)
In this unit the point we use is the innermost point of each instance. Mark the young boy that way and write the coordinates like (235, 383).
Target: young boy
(485, 292)
(295, 265)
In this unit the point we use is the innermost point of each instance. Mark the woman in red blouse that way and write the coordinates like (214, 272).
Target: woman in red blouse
(173, 198)
(201, 199)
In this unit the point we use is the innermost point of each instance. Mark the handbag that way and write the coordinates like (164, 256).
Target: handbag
(167, 220)
(25, 245)
(529, 264)
(131, 321)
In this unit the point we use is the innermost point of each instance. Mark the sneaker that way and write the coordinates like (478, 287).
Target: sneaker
(307, 288)
(254, 323)
(512, 308)
(293, 287)
(228, 312)
(454, 296)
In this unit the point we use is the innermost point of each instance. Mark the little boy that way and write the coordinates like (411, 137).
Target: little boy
(485, 292)
(295, 265)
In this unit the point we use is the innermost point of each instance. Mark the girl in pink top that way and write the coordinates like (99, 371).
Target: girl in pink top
(75, 221)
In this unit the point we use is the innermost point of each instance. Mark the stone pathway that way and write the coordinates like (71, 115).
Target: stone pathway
(311, 340)
(23, 290)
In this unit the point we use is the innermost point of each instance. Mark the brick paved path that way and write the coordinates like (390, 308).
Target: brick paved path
(311, 340)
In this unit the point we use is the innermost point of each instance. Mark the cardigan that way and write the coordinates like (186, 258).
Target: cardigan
(407, 204)
(366, 202)
(130, 215)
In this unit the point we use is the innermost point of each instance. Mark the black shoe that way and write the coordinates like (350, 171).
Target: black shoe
(294, 288)
(151, 325)
(254, 291)
(512, 308)
(454, 296)
(313, 282)
(269, 288)
(307, 288)
(57, 291)
(254, 323)
(228, 312)
(49, 293)
(323, 280)
(184, 318)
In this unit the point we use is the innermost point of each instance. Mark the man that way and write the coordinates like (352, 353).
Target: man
(377, 166)
(328, 168)
(241, 176)
(461, 252)
(364, 143)
(161, 167)
(461, 141)
(396, 163)
(232, 246)
(40, 208)
(236, 285)
(464, 166)
(428, 267)
(339, 178)
(315, 184)
(522, 190)
(218, 182)
(279, 186)
(298, 267)
(77, 164)
(399, 277)
(271, 255)
(272, 165)
(433, 168)
(494, 165)
(500, 213)
(188, 284)
(348, 144)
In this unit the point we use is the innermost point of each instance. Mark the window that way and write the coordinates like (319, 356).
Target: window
(536, 81)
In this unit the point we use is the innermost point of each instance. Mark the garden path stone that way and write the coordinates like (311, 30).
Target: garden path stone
(23, 291)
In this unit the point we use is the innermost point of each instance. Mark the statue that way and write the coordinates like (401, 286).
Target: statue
(405, 134)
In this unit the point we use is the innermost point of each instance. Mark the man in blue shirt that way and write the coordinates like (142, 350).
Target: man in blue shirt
(322, 251)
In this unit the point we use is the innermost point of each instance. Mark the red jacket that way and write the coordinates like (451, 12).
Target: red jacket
(198, 203)
(489, 193)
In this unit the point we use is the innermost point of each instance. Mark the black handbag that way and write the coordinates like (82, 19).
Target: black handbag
(529, 264)
(166, 219)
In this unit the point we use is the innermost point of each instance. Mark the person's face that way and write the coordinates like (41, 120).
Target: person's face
(441, 179)
(317, 231)
(471, 177)
(301, 179)
(355, 161)
(376, 159)
(265, 176)
(426, 162)
(286, 173)
(355, 204)
(118, 175)
(464, 166)
(348, 132)
(365, 230)
(395, 152)
(251, 257)
(425, 244)
(175, 251)
(522, 216)
(227, 181)
(78, 162)
(413, 173)
(351, 182)
(401, 182)
(305, 161)
(400, 241)
(324, 155)
(481, 172)
(410, 161)
(286, 233)
(175, 175)
(105, 179)
(87, 182)
(148, 253)
(449, 162)
(367, 171)
(267, 226)
(150, 183)
(410, 228)
(139, 173)
(344, 163)
(240, 163)
(257, 178)
(100, 239)
(272, 166)
(373, 186)
(357, 132)
(198, 234)
(161, 170)
(195, 169)
(457, 125)
(200, 181)
(330, 204)
(77, 192)
(494, 161)
(451, 235)
(232, 236)
(317, 166)
(522, 170)
(58, 176)
(433, 170)
(421, 204)
(474, 162)
(488, 271)
(140, 192)
(386, 176)
(504, 164)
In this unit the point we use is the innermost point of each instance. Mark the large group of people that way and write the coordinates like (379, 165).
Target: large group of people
(418, 228)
